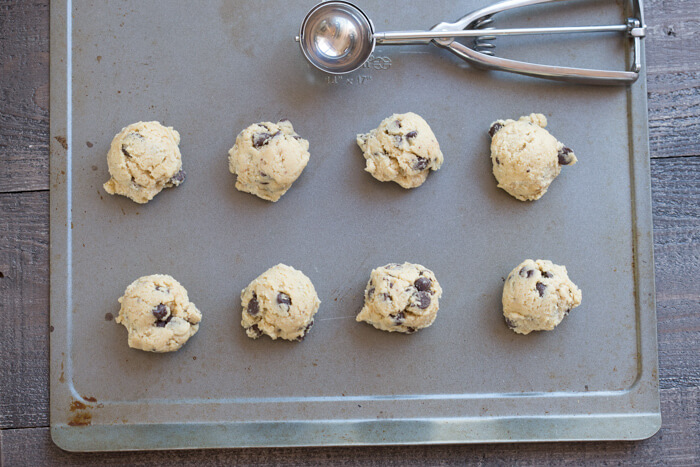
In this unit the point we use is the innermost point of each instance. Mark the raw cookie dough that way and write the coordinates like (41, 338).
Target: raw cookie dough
(158, 314)
(537, 295)
(268, 158)
(525, 157)
(281, 303)
(143, 159)
(403, 150)
(401, 298)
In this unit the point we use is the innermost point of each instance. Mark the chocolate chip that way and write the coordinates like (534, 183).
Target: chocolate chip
(386, 297)
(411, 134)
(524, 272)
(284, 299)
(306, 331)
(162, 322)
(256, 330)
(392, 265)
(422, 284)
(410, 330)
(541, 288)
(510, 323)
(423, 300)
(565, 157)
(399, 317)
(160, 311)
(279, 132)
(253, 305)
(494, 129)
(568, 311)
(548, 274)
(125, 152)
(260, 139)
(370, 292)
(283, 120)
(498, 161)
(179, 177)
(398, 123)
(421, 163)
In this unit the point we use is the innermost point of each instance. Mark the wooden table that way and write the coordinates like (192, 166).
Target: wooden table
(673, 67)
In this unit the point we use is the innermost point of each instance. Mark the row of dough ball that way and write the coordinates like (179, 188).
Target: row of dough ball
(282, 303)
(267, 158)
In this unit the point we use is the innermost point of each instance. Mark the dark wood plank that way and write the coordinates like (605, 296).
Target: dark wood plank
(676, 202)
(24, 95)
(678, 443)
(674, 113)
(672, 36)
(24, 306)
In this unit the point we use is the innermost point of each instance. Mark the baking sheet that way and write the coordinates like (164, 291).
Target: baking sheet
(211, 68)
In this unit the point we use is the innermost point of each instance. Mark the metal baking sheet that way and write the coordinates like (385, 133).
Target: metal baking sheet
(210, 68)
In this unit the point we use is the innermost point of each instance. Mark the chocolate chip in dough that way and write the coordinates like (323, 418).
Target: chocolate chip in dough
(565, 157)
(260, 139)
(494, 129)
(422, 284)
(541, 288)
(160, 311)
(284, 299)
(421, 163)
(253, 305)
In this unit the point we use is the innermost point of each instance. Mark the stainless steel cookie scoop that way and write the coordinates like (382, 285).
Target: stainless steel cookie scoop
(337, 37)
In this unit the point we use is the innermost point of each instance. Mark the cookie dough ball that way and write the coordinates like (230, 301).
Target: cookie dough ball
(403, 150)
(158, 314)
(281, 303)
(401, 298)
(525, 157)
(267, 158)
(537, 295)
(143, 159)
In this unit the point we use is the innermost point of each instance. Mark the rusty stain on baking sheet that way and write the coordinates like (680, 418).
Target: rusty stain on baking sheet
(77, 405)
(81, 419)
(81, 415)
(62, 141)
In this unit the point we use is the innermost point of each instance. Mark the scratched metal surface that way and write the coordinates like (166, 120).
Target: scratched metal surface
(211, 68)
